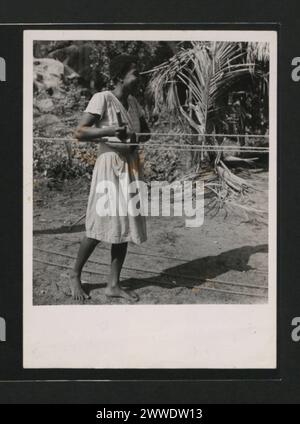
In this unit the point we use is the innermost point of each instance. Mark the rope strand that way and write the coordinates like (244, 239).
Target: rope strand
(163, 146)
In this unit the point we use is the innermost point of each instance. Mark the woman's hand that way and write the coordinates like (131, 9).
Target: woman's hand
(124, 135)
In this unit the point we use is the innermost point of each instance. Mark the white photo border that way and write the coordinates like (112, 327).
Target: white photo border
(148, 336)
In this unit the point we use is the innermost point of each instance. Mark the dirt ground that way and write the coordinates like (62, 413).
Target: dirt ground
(223, 261)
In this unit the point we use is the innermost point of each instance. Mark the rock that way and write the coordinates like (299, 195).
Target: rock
(47, 120)
(47, 73)
(48, 125)
(44, 105)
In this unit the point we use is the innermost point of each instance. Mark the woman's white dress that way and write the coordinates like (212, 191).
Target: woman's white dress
(116, 167)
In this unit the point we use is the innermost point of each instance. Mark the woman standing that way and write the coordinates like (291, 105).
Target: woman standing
(115, 116)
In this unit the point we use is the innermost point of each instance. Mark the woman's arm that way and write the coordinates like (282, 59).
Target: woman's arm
(85, 132)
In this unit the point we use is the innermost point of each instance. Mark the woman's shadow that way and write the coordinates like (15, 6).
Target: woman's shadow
(195, 272)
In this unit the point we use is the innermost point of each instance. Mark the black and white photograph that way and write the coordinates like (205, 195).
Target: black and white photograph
(150, 199)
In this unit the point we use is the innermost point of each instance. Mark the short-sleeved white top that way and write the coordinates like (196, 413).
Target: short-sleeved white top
(106, 105)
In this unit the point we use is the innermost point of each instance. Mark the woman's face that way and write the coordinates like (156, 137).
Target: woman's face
(131, 79)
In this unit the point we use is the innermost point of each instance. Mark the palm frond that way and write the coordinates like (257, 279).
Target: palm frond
(258, 51)
(206, 70)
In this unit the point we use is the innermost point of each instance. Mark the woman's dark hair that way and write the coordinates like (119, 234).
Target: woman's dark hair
(120, 65)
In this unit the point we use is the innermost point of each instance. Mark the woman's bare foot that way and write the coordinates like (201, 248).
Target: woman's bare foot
(76, 288)
(116, 291)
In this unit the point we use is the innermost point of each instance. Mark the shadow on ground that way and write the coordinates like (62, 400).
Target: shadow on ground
(195, 272)
(61, 230)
